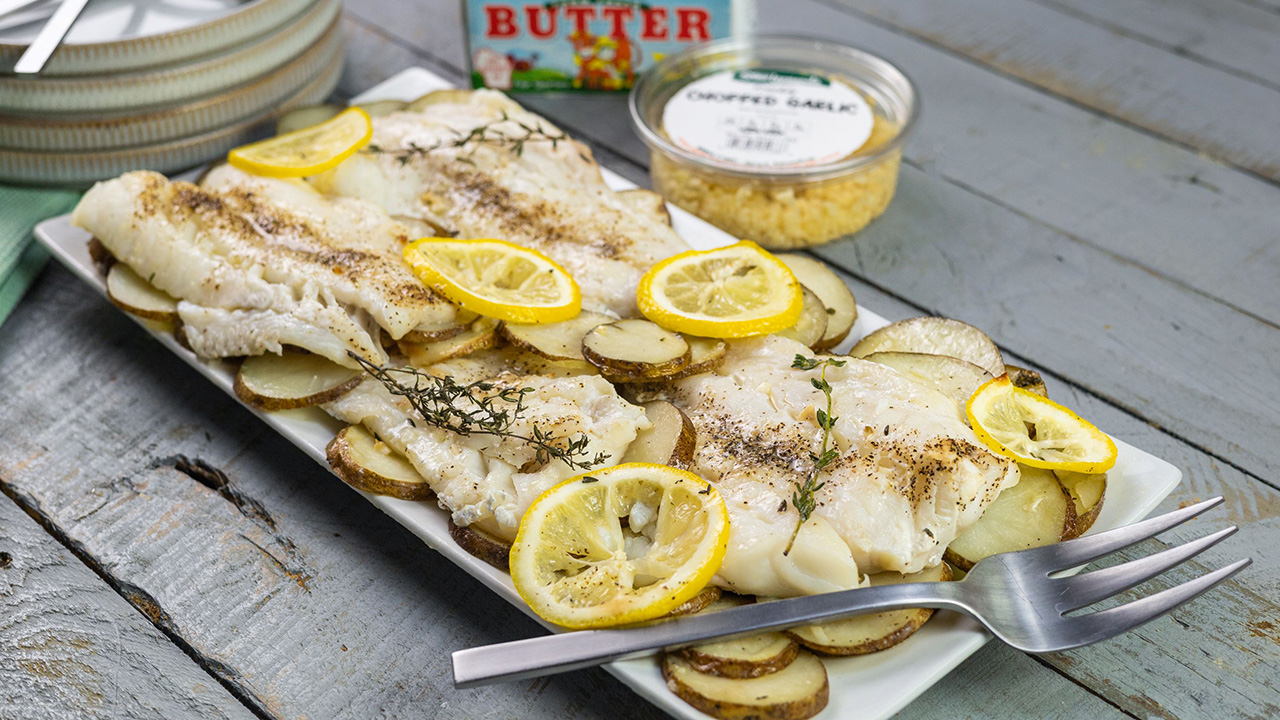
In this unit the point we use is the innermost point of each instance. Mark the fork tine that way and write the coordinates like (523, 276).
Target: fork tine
(1109, 623)
(1087, 589)
(1072, 553)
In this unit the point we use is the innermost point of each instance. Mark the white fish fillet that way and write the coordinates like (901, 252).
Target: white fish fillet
(489, 481)
(911, 475)
(262, 262)
(550, 197)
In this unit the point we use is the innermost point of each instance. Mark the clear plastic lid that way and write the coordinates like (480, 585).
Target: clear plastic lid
(779, 108)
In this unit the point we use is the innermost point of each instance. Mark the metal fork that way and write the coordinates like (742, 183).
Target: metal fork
(1019, 596)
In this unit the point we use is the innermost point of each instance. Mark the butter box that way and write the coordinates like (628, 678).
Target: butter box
(584, 44)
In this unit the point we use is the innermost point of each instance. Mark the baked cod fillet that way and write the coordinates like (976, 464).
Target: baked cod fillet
(910, 476)
(488, 481)
(548, 196)
(258, 263)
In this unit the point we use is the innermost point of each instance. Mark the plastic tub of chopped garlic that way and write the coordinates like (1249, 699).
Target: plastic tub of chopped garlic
(787, 141)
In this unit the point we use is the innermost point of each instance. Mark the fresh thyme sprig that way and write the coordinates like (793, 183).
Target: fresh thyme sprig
(476, 409)
(487, 134)
(802, 498)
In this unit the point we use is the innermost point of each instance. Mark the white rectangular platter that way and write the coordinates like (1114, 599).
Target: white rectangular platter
(871, 687)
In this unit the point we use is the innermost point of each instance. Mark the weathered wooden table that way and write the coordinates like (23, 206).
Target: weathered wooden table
(1095, 182)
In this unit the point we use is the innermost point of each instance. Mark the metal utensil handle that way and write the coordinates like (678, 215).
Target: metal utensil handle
(49, 37)
(573, 650)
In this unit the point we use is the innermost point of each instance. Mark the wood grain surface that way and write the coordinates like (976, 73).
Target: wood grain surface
(1069, 190)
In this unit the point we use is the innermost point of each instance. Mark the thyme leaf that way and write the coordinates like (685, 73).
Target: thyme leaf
(803, 496)
(488, 134)
(480, 408)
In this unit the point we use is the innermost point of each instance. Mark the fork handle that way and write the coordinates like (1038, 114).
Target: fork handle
(573, 650)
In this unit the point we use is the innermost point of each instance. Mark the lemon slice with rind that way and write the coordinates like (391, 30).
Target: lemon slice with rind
(619, 545)
(735, 291)
(1037, 431)
(309, 151)
(496, 279)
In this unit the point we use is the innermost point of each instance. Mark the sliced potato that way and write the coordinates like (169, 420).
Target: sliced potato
(670, 441)
(950, 376)
(436, 97)
(493, 550)
(378, 108)
(874, 631)
(1028, 380)
(366, 463)
(305, 117)
(648, 202)
(481, 335)
(798, 691)
(100, 255)
(130, 292)
(434, 332)
(292, 380)
(705, 598)
(1037, 511)
(705, 355)
(555, 341)
(746, 657)
(812, 324)
(633, 350)
(935, 336)
(1087, 494)
(535, 364)
(842, 310)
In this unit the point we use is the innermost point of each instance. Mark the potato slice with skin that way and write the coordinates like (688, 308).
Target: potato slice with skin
(555, 341)
(367, 464)
(1088, 491)
(379, 108)
(935, 336)
(955, 378)
(670, 441)
(481, 544)
(437, 97)
(706, 597)
(746, 657)
(1028, 380)
(305, 117)
(842, 309)
(292, 380)
(101, 256)
(442, 330)
(482, 334)
(796, 692)
(130, 292)
(647, 201)
(875, 631)
(1037, 511)
(812, 324)
(633, 350)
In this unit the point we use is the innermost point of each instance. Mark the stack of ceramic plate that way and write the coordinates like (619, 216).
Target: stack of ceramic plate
(158, 84)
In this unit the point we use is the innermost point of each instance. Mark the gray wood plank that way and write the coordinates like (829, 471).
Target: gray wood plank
(1152, 88)
(1231, 35)
(71, 647)
(292, 589)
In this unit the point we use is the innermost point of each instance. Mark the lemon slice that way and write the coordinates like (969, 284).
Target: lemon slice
(734, 291)
(1037, 431)
(619, 545)
(496, 279)
(309, 151)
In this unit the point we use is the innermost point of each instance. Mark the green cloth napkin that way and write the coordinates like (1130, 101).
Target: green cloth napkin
(21, 258)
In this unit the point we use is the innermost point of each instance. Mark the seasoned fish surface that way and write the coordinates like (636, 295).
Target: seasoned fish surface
(485, 480)
(910, 476)
(260, 262)
(548, 196)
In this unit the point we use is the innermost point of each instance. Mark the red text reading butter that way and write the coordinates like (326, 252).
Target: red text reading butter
(691, 24)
